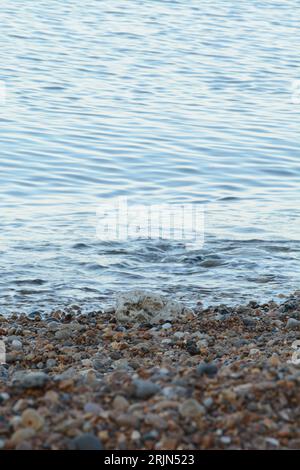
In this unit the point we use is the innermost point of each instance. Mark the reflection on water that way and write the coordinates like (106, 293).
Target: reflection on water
(174, 101)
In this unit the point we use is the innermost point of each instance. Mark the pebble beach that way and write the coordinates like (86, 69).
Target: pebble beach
(211, 378)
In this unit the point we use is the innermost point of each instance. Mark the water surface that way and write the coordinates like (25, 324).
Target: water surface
(160, 101)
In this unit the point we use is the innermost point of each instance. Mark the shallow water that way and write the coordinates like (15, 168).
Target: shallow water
(173, 101)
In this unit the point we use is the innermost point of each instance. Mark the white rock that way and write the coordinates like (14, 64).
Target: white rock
(272, 441)
(225, 440)
(144, 306)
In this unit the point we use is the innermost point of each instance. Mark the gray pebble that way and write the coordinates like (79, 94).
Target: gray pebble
(32, 380)
(292, 324)
(16, 345)
(51, 363)
(206, 368)
(3, 373)
(144, 388)
(86, 441)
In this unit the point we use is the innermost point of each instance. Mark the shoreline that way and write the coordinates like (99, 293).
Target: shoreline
(218, 378)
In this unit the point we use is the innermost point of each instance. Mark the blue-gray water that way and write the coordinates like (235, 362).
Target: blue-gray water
(162, 101)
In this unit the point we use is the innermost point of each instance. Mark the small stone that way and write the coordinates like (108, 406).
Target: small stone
(254, 352)
(4, 397)
(292, 324)
(191, 409)
(87, 363)
(135, 436)
(166, 341)
(92, 408)
(120, 403)
(206, 368)
(32, 419)
(63, 334)
(208, 402)
(3, 373)
(33, 380)
(51, 396)
(50, 363)
(86, 441)
(226, 440)
(144, 388)
(166, 326)
(53, 326)
(15, 422)
(22, 435)
(274, 360)
(16, 345)
(90, 376)
(272, 441)
(121, 364)
(148, 307)
(192, 347)
(179, 335)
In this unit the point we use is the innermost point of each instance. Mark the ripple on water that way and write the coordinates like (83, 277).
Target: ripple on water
(161, 102)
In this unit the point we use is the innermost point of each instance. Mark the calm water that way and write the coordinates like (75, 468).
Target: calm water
(161, 101)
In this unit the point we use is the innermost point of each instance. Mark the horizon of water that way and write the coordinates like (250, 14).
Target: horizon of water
(162, 102)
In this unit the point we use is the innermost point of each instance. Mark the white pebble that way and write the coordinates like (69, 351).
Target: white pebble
(225, 440)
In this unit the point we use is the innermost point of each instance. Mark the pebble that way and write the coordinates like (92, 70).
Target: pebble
(22, 435)
(120, 386)
(206, 368)
(16, 345)
(120, 403)
(225, 440)
(254, 352)
(50, 363)
(144, 388)
(92, 408)
(135, 436)
(32, 419)
(292, 324)
(4, 397)
(272, 441)
(208, 402)
(191, 409)
(3, 373)
(179, 335)
(166, 326)
(87, 441)
(191, 347)
(53, 326)
(34, 380)
(63, 334)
